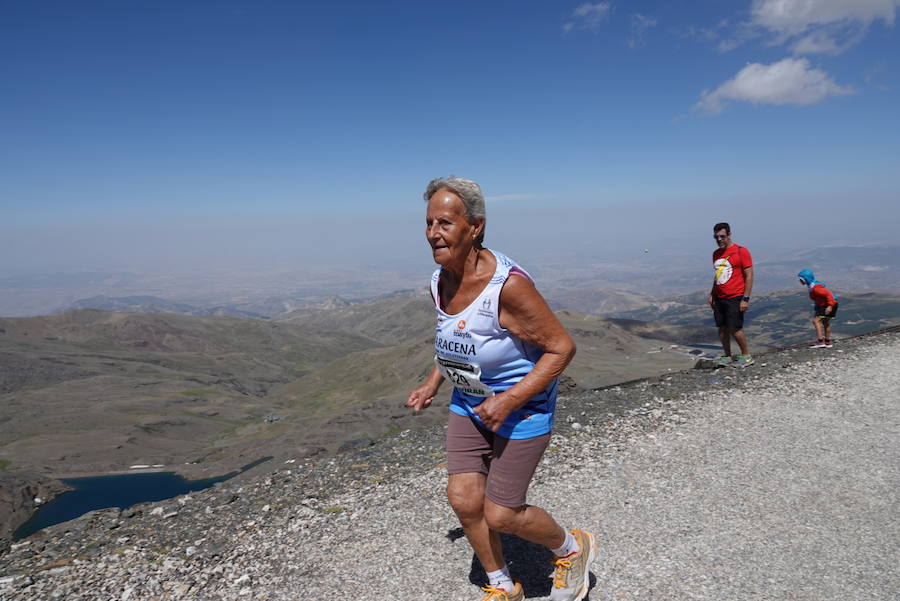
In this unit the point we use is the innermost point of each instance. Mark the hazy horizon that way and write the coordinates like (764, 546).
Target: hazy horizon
(395, 240)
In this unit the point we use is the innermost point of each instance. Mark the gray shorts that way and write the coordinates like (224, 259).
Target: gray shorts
(508, 463)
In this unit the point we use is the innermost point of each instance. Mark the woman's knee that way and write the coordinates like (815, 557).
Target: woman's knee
(466, 501)
(500, 518)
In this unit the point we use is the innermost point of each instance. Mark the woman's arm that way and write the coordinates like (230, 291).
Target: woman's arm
(525, 313)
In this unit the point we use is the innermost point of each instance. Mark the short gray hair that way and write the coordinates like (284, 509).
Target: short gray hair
(467, 190)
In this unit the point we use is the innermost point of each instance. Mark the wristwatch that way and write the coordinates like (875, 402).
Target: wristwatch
(745, 298)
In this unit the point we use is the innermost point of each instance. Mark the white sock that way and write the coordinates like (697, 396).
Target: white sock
(569, 546)
(501, 579)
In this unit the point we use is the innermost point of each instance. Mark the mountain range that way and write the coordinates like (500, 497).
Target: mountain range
(90, 391)
(577, 283)
(94, 391)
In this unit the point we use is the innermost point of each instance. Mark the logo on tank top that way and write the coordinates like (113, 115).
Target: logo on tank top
(485, 310)
(459, 331)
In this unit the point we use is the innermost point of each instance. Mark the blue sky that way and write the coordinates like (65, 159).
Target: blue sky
(166, 133)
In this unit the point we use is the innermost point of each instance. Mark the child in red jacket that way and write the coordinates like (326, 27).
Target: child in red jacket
(826, 308)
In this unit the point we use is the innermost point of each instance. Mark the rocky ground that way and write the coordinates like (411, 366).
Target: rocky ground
(776, 481)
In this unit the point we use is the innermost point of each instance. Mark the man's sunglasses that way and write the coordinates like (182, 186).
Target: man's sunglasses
(720, 236)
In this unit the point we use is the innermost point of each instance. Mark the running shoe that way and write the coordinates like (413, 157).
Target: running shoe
(818, 344)
(498, 594)
(743, 361)
(570, 578)
(724, 361)
(828, 344)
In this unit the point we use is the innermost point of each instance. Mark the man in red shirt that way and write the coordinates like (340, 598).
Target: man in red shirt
(826, 307)
(730, 294)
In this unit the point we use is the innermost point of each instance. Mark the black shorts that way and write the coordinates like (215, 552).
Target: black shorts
(820, 311)
(727, 313)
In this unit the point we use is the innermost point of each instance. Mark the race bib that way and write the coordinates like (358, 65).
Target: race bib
(464, 376)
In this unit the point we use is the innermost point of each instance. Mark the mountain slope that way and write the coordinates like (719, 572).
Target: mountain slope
(778, 318)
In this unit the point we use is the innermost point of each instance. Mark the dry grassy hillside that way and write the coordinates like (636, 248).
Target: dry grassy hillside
(95, 391)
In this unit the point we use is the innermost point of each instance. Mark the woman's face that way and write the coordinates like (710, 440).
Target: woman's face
(447, 230)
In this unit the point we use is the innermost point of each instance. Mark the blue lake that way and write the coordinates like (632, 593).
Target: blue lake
(122, 491)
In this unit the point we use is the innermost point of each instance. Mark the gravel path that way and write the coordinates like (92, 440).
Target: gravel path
(776, 482)
(788, 490)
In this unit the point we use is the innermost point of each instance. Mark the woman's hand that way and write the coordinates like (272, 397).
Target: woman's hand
(421, 397)
(494, 410)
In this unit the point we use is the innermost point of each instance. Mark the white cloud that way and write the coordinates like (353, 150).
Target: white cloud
(793, 17)
(789, 81)
(820, 26)
(588, 16)
(639, 26)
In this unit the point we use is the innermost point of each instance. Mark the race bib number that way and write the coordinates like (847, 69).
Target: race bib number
(464, 376)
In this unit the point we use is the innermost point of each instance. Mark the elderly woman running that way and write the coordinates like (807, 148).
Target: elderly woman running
(502, 349)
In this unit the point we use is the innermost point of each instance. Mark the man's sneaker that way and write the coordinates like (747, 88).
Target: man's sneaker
(724, 361)
(570, 578)
(828, 344)
(818, 344)
(743, 361)
(498, 594)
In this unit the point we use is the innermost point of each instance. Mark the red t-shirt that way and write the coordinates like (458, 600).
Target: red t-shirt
(729, 265)
(822, 296)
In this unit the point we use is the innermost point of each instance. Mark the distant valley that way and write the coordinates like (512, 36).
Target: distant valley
(92, 391)
(775, 319)
(189, 373)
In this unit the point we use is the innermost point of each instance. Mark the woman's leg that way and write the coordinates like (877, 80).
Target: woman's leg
(466, 495)
(505, 507)
(528, 522)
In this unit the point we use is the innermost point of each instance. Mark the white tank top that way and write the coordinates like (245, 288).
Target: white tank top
(479, 357)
